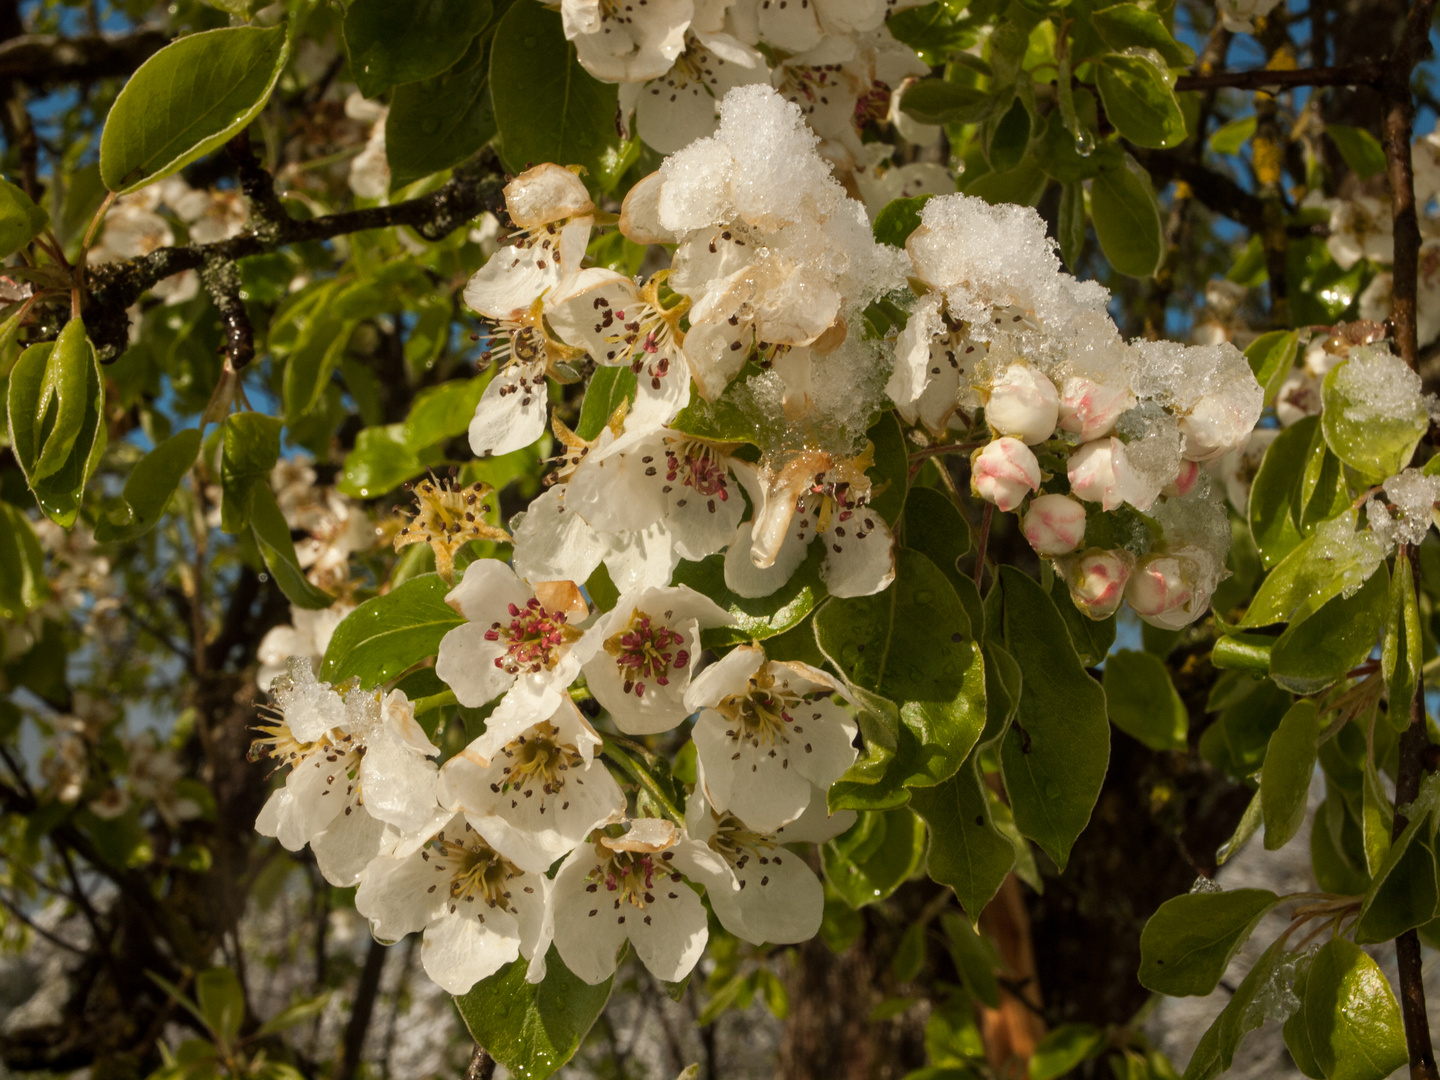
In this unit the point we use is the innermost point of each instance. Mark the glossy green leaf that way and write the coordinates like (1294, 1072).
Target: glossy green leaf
(391, 43)
(222, 1003)
(272, 536)
(935, 528)
(532, 1028)
(1402, 650)
(1244, 652)
(68, 367)
(1071, 226)
(1271, 358)
(1129, 26)
(1297, 1033)
(149, 487)
(1008, 136)
(324, 333)
(1276, 499)
(1318, 652)
(386, 635)
(1143, 702)
(1243, 1013)
(890, 473)
(872, 858)
(1127, 222)
(1063, 1048)
(609, 388)
(1351, 1015)
(1054, 758)
(1320, 566)
(23, 586)
(1403, 894)
(912, 644)
(1287, 772)
(1375, 446)
(975, 959)
(250, 447)
(1231, 138)
(1022, 184)
(439, 122)
(1092, 638)
(1189, 942)
(20, 219)
(1360, 149)
(1139, 102)
(1249, 825)
(898, 219)
(547, 107)
(755, 618)
(187, 100)
(966, 851)
(935, 101)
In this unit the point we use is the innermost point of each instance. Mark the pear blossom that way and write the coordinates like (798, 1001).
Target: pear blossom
(1004, 471)
(515, 641)
(1054, 524)
(1023, 403)
(358, 764)
(1185, 479)
(449, 517)
(1097, 580)
(1168, 591)
(370, 169)
(1100, 472)
(627, 40)
(674, 109)
(633, 887)
(308, 635)
(934, 357)
(763, 891)
(1090, 409)
(1237, 469)
(813, 494)
(1239, 16)
(477, 910)
(533, 789)
(769, 735)
(1360, 228)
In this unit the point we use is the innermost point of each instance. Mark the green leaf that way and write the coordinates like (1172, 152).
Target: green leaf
(1127, 222)
(1231, 138)
(386, 635)
(1318, 652)
(1129, 26)
(609, 388)
(149, 487)
(1271, 357)
(292, 1015)
(1402, 894)
(1250, 822)
(1008, 136)
(1320, 566)
(898, 219)
(935, 101)
(187, 100)
(547, 107)
(1189, 942)
(1361, 150)
(439, 122)
(1286, 775)
(324, 334)
(1023, 185)
(1054, 757)
(966, 852)
(1275, 499)
(67, 369)
(872, 858)
(532, 1028)
(1139, 102)
(912, 644)
(1064, 1048)
(890, 474)
(1143, 702)
(935, 528)
(1401, 652)
(1245, 1011)
(272, 536)
(1374, 446)
(391, 43)
(1244, 652)
(1297, 1034)
(755, 618)
(1092, 638)
(1351, 1015)
(1071, 228)
(222, 1002)
(23, 586)
(974, 958)
(250, 449)
(20, 219)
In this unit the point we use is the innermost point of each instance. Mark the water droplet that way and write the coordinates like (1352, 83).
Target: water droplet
(1084, 143)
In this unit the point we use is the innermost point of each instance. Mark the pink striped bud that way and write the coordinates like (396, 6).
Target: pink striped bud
(1023, 404)
(1004, 472)
(1054, 524)
(1090, 409)
(1097, 580)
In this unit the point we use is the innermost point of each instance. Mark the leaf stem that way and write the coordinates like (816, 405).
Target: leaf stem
(609, 746)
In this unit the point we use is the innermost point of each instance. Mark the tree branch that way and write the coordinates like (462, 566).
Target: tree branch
(46, 59)
(361, 1012)
(1367, 74)
(1215, 191)
(482, 1065)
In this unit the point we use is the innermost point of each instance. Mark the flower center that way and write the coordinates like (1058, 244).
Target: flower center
(762, 714)
(278, 742)
(477, 871)
(533, 639)
(643, 334)
(538, 761)
(737, 844)
(643, 651)
(698, 465)
(628, 876)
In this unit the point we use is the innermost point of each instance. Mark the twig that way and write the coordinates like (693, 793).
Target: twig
(361, 1012)
(982, 543)
(482, 1065)
(1367, 74)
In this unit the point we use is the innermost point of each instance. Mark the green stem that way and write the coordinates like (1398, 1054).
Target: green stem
(435, 701)
(611, 750)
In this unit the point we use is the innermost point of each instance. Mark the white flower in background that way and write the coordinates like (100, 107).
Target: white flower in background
(1022, 404)
(1239, 15)
(1377, 301)
(214, 215)
(620, 41)
(153, 775)
(513, 641)
(1237, 469)
(478, 910)
(1425, 159)
(632, 887)
(763, 892)
(881, 181)
(1360, 228)
(1299, 397)
(682, 105)
(1004, 472)
(359, 762)
(813, 495)
(1097, 580)
(934, 357)
(308, 635)
(533, 789)
(370, 169)
(650, 646)
(133, 228)
(769, 736)
(1054, 524)
(343, 529)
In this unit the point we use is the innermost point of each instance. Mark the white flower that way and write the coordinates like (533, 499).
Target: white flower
(881, 182)
(1237, 469)
(1239, 15)
(682, 105)
(1298, 398)
(1054, 524)
(514, 641)
(1004, 472)
(1360, 228)
(621, 41)
(339, 529)
(768, 737)
(1023, 404)
(797, 27)
(477, 909)
(1090, 409)
(533, 789)
(631, 887)
(1185, 479)
(1097, 580)
(764, 892)
(813, 494)
(370, 169)
(650, 647)
(934, 357)
(358, 763)
(307, 635)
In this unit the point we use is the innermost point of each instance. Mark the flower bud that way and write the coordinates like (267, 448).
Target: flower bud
(1004, 472)
(1216, 425)
(1184, 481)
(1054, 524)
(1097, 580)
(1100, 472)
(1023, 404)
(1090, 409)
(1164, 591)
